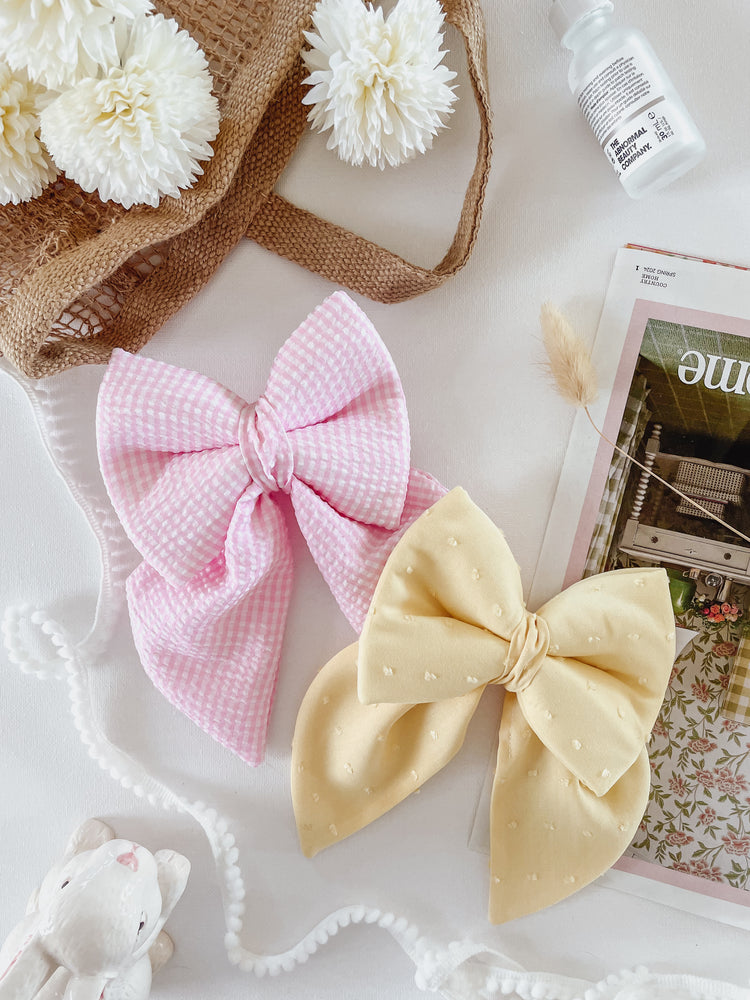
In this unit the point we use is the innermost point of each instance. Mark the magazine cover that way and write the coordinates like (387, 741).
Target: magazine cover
(673, 358)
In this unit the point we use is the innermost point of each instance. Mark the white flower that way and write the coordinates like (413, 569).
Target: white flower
(377, 82)
(139, 129)
(25, 167)
(58, 41)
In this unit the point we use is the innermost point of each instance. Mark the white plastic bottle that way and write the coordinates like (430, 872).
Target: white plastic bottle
(626, 97)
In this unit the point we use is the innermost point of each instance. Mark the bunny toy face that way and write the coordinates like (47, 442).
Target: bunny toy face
(93, 931)
(101, 909)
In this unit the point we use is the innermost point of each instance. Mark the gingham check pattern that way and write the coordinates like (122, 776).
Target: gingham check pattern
(196, 474)
(737, 698)
(634, 419)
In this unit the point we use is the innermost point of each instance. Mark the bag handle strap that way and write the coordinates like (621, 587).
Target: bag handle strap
(355, 262)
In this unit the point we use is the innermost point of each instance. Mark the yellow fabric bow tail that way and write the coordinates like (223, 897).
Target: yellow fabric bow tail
(585, 677)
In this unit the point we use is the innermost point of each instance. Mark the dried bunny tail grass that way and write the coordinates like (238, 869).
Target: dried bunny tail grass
(568, 359)
(570, 365)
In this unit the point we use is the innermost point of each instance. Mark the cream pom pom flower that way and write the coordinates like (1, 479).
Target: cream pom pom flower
(59, 41)
(139, 129)
(378, 82)
(25, 167)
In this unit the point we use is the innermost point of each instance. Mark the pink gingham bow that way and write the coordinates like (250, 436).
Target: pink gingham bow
(196, 474)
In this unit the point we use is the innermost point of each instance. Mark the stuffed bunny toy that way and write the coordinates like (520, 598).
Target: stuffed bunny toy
(93, 930)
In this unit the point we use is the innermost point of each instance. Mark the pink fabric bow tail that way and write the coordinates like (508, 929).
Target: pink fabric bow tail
(195, 474)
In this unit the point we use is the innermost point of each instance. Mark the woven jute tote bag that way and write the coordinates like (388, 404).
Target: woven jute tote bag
(79, 277)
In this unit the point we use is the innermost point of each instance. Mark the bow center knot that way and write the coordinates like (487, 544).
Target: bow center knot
(265, 447)
(529, 643)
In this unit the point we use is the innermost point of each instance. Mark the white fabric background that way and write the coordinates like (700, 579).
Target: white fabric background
(482, 416)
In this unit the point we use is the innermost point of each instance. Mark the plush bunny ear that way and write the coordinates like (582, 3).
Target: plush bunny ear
(84, 988)
(24, 966)
(173, 871)
(89, 835)
(55, 986)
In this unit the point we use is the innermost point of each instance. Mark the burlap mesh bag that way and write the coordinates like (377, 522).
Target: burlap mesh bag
(79, 277)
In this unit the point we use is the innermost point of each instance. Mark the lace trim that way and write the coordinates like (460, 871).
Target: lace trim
(59, 436)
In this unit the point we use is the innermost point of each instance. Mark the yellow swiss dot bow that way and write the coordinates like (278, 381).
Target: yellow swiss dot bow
(584, 679)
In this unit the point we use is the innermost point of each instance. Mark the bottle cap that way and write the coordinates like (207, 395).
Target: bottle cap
(565, 13)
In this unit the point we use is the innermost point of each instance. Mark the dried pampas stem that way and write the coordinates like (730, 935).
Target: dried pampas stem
(569, 359)
(572, 370)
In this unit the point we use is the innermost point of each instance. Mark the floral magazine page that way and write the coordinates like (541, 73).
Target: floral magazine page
(672, 355)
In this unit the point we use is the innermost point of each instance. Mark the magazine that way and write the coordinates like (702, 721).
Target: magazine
(672, 355)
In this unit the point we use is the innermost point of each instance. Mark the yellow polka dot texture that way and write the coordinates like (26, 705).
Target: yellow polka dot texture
(572, 776)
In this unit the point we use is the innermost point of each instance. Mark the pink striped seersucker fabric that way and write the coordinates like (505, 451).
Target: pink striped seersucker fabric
(195, 474)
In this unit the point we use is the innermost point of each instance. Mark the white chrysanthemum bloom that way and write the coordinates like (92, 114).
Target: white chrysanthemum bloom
(25, 167)
(59, 41)
(377, 82)
(140, 128)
